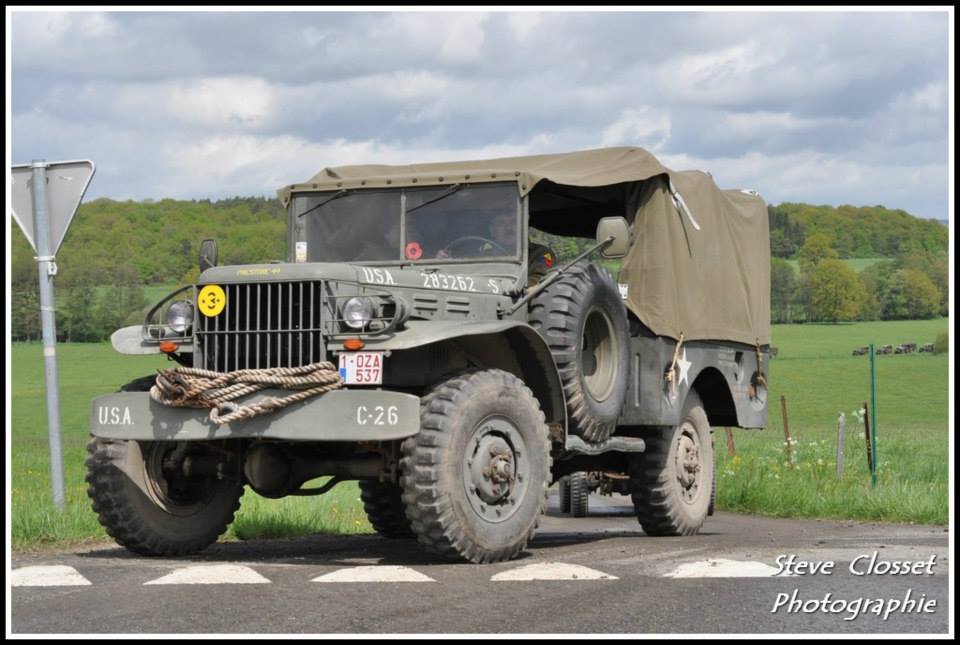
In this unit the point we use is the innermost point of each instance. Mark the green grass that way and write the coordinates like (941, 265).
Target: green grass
(814, 370)
(819, 378)
(156, 292)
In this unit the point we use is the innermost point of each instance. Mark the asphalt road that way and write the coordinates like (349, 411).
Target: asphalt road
(598, 574)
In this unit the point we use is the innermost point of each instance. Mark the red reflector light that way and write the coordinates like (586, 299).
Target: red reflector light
(167, 347)
(353, 344)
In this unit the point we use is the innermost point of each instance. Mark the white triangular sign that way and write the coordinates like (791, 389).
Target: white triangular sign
(67, 181)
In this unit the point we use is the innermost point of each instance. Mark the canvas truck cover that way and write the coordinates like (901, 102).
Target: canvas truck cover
(699, 261)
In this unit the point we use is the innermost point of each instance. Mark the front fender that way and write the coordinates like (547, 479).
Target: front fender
(536, 365)
(417, 333)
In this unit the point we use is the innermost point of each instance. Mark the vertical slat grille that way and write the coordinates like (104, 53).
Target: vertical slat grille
(262, 325)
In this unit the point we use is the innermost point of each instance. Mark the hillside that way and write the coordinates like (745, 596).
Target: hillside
(854, 231)
(160, 240)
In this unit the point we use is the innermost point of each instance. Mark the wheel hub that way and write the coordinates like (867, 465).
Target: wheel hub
(495, 469)
(598, 355)
(687, 464)
(165, 482)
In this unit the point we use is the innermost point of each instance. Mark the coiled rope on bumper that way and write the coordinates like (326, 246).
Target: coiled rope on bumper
(195, 388)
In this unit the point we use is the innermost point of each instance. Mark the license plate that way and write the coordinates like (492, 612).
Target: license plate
(361, 368)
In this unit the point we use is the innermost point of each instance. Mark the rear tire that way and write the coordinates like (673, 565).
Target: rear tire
(671, 482)
(383, 505)
(475, 477)
(579, 494)
(150, 509)
(564, 490)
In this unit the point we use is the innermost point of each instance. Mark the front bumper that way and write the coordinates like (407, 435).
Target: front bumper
(340, 415)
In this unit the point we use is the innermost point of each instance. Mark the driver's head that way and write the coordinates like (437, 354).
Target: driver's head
(503, 229)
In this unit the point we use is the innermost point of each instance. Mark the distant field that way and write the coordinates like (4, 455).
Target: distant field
(156, 292)
(857, 264)
(814, 370)
(819, 378)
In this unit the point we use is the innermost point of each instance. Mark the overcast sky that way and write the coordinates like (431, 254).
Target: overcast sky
(817, 107)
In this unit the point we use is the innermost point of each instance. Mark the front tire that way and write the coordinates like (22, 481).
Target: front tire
(150, 509)
(475, 477)
(671, 482)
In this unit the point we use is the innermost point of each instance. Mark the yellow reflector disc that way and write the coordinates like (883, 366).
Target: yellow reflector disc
(211, 300)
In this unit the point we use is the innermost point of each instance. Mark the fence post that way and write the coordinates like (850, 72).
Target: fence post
(841, 432)
(866, 435)
(873, 419)
(731, 448)
(786, 429)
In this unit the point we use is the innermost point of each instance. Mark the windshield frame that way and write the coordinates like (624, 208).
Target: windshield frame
(296, 227)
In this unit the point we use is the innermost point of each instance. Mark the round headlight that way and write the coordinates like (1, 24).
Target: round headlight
(180, 316)
(357, 312)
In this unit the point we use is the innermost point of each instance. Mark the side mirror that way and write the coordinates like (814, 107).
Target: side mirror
(208, 254)
(618, 228)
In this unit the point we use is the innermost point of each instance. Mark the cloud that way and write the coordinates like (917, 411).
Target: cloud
(644, 127)
(821, 106)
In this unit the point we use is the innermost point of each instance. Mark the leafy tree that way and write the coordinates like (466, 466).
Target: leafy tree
(802, 299)
(25, 313)
(76, 318)
(816, 248)
(942, 344)
(894, 301)
(922, 296)
(910, 294)
(865, 231)
(786, 235)
(935, 267)
(783, 285)
(835, 291)
(870, 307)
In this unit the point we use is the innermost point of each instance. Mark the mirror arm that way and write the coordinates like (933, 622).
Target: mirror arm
(554, 275)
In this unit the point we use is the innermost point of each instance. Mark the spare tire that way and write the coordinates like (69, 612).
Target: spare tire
(582, 318)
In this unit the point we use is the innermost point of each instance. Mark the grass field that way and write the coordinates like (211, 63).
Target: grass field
(814, 370)
(819, 378)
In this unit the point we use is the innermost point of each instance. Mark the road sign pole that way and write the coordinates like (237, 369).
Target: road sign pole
(46, 269)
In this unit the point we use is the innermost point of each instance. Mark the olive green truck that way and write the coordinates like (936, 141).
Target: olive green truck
(423, 338)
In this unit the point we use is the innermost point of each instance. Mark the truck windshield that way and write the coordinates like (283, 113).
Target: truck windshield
(412, 224)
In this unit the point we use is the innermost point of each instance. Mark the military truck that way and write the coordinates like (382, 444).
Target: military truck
(449, 365)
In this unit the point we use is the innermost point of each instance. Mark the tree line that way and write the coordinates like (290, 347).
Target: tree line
(809, 281)
(116, 248)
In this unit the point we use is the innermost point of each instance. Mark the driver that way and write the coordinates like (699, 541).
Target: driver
(501, 239)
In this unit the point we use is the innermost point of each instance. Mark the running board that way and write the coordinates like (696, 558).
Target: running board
(613, 444)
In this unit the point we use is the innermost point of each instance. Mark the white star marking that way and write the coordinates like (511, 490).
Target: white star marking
(684, 367)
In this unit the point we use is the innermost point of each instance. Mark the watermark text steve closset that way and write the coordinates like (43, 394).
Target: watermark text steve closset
(868, 564)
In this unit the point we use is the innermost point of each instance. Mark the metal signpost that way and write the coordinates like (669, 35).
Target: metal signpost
(45, 198)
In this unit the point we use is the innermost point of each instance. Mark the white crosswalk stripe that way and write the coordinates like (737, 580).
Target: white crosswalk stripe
(377, 573)
(47, 576)
(211, 574)
(720, 568)
(552, 571)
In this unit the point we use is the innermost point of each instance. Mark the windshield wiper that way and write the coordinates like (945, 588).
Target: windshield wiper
(338, 194)
(446, 193)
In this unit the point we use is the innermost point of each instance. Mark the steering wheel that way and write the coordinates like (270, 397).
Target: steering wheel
(468, 238)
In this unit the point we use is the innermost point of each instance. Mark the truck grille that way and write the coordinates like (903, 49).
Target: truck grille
(263, 325)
